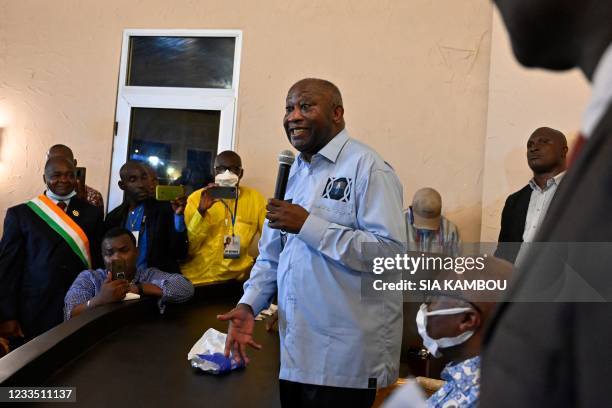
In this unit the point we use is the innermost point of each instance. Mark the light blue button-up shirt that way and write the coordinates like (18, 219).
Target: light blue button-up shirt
(329, 335)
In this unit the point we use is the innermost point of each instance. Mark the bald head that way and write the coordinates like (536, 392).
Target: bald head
(135, 182)
(322, 86)
(479, 307)
(229, 160)
(554, 134)
(60, 150)
(546, 151)
(58, 161)
(314, 115)
(229, 156)
(129, 167)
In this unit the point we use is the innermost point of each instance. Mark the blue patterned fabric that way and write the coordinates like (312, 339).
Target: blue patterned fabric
(175, 288)
(462, 386)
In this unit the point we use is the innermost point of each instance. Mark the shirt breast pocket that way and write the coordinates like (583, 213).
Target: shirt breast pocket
(336, 211)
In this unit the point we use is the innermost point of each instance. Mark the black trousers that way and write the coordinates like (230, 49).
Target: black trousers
(298, 395)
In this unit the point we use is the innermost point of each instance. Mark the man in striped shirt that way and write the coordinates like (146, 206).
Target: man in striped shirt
(98, 287)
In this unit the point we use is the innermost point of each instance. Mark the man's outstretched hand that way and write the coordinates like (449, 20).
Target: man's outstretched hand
(240, 332)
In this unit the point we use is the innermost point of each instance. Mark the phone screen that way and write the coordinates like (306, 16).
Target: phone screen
(168, 193)
(118, 269)
(223, 192)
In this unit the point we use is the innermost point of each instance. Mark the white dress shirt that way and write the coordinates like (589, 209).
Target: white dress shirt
(538, 205)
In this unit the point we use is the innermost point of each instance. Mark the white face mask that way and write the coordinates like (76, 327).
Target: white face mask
(56, 197)
(226, 179)
(433, 345)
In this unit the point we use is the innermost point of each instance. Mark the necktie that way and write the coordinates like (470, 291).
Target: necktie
(62, 205)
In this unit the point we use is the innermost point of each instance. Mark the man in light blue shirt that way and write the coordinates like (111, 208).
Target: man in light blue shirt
(336, 348)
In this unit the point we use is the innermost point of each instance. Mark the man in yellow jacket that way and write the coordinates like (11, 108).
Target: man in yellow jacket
(221, 230)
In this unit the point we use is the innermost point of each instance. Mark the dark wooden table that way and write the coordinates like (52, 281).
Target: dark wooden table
(130, 355)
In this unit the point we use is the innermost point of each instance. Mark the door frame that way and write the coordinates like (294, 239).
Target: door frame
(128, 97)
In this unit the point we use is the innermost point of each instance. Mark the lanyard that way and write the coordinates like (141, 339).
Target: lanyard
(135, 216)
(234, 214)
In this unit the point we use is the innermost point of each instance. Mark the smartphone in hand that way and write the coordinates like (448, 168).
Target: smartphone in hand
(222, 192)
(168, 193)
(118, 269)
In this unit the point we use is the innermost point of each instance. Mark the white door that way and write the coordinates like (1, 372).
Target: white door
(176, 103)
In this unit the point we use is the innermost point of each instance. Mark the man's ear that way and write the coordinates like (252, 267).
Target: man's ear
(121, 185)
(471, 321)
(241, 173)
(75, 162)
(338, 114)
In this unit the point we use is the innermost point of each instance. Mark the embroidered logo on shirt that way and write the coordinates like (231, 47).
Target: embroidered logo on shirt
(338, 188)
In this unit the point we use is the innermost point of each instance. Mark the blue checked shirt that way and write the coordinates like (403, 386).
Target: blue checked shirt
(462, 385)
(329, 335)
(175, 288)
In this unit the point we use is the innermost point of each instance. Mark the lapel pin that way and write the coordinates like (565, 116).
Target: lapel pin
(75, 213)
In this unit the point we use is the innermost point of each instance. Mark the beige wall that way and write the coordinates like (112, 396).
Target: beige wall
(414, 76)
(520, 101)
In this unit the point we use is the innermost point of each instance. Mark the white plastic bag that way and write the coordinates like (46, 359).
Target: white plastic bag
(207, 354)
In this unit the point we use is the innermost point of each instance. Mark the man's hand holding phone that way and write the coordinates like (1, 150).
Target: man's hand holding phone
(112, 291)
(206, 200)
(179, 204)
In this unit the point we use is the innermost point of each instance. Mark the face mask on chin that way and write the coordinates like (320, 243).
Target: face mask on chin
(433, 345)
(56, 197)
(226, 179)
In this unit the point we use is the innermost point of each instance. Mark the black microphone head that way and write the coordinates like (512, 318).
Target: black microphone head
(286, 157)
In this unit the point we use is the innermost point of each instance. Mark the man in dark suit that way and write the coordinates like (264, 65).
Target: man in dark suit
(46, 243)
(525, 209)
(159, 227)
(558, 353)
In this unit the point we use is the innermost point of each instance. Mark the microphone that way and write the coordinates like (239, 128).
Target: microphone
(285, 160)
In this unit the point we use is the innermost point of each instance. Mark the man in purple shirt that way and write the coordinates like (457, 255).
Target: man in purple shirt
(94, 288)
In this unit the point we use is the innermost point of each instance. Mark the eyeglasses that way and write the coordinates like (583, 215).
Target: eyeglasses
(233, 169)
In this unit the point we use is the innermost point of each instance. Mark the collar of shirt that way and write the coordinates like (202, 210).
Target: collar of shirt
(331, 150)
(601, 96)
(464, 374)
(551, 181)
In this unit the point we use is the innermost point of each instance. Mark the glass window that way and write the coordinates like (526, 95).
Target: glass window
(193, 62)
(179, 144)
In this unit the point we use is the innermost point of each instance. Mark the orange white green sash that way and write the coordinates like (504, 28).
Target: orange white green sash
(65, 226)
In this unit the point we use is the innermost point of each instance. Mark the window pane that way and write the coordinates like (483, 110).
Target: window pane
(179, 144)
(194, 62)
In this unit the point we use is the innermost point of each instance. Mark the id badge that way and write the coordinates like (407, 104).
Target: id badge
(231, 247)
(137, 236)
